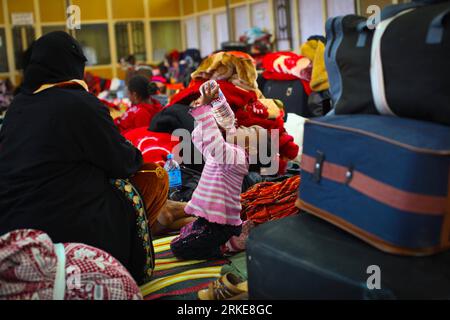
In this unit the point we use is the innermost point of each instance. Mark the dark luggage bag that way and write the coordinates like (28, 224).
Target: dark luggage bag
(399, 68)
(291, 93)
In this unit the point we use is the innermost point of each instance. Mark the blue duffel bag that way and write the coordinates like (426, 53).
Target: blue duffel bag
(384, 179)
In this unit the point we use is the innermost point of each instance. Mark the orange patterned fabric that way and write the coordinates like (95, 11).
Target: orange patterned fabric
(268, 201)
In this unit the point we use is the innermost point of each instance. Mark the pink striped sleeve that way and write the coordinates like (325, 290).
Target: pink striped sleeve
(212, 145)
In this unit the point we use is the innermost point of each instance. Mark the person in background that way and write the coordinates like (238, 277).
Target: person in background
(161, 83)
(191, 59)
(6, 93)
(64, 164)
(6, 97)
(143, 108)
(131, 60)
(161, 94)
(173, 64)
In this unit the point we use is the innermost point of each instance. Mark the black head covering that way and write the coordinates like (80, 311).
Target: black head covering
(171, 118)
(55, 57)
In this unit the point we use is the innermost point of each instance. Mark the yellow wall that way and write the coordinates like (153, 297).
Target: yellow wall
(105, 72)
(20, 6)
(160, 32)
(202, 5)
(128, 9)
(218, 3)
(92, 9)
(164, 8)
(1, 12)
(188, 6)
(18, 78)
(120, 73)
(52, 10)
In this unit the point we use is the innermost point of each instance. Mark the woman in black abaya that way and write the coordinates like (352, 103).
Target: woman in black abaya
(60, 154)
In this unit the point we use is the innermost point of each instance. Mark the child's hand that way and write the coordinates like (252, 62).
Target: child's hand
(209, 95)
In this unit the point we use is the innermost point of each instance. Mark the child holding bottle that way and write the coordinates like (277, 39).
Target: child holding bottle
(216, 200)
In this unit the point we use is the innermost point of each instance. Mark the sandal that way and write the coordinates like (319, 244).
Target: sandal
(227, 287)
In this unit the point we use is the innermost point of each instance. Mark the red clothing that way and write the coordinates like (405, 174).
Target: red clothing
(138, 116)
(154, 146)
(244, 103)
(236, 97)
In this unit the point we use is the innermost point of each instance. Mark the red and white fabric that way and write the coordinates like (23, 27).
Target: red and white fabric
(154, 146)
(32, 267)
(288, 66)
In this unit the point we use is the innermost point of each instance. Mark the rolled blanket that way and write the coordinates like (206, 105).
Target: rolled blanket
(315, 51)
(236, 67)
(288, 66)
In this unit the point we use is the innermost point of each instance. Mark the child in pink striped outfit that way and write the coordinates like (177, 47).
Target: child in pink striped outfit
(216, 200)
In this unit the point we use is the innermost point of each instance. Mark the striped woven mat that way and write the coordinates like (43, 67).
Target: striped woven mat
(179, 279)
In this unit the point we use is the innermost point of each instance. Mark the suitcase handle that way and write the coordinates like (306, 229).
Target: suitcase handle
(320, 158)
(436, 29)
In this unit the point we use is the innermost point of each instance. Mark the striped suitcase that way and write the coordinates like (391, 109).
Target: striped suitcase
(383, 179)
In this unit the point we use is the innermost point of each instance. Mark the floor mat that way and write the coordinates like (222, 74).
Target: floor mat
(237, 265)
(175, 279)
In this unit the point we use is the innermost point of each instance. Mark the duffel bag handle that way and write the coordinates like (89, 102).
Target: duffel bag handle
(387, 13)
(376, 67)
(436, 29)
(363, 30)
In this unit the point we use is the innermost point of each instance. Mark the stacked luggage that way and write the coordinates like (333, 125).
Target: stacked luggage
(378, 168)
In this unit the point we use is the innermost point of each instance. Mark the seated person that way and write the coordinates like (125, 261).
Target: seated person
(143, 106)
(64, 164)
(161, 93)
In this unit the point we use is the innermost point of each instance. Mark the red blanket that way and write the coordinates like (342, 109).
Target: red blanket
(154, 146)
(242, 102)
(289, 62)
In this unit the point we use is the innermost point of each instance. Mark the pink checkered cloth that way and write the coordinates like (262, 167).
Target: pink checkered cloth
(32, 267)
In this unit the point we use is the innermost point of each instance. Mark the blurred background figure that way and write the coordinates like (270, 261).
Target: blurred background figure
(143, 106)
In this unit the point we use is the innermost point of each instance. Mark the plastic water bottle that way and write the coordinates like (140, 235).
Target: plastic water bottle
(221, 110)
(173, 170)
